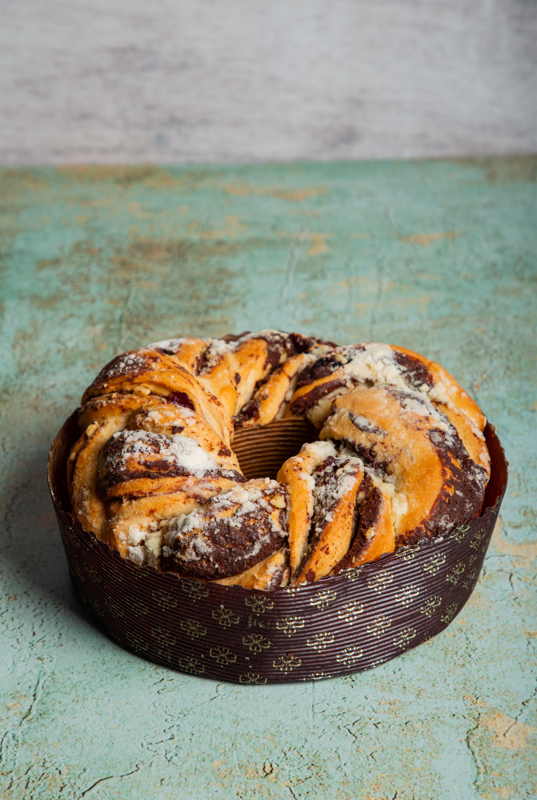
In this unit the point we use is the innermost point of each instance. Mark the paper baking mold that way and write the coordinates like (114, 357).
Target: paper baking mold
(342, 624)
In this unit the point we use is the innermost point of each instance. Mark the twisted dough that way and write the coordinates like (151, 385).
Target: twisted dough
(401, 456)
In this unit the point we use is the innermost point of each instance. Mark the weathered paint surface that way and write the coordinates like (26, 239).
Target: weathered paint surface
(440, 257)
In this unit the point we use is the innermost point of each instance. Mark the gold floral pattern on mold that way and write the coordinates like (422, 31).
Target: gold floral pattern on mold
(477, 538)
(163, 637)
(433, 565)
(323, 599)
(350, 655)
(193, 628)
(408, 553)
(136, 642)
(378, 583)
(351, 611)
(455, 573)
(290, 625)
(259, 605)
(166, 655)
(379, 625)
(137, 606)
(114, 607)
(110, 573)
(252, 678)
(256, 642)
(470, 578)
(404, 637)
(293, 590)
(430, 605)
(225, 616)
(378, 662)
(92, 575)
(407, 595)
(354, 574)
(286, 663)
(164, 600)
(195, 590)
(320, 641)
(450, 612)
(223, 655)
(458, 534)
(191, 664)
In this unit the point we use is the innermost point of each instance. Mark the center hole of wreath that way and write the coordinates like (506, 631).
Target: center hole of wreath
(261, 451)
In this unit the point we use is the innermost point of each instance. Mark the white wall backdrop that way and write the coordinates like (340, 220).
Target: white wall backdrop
(242, 80)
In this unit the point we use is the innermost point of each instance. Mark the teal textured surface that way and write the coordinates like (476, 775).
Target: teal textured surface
(436, 256)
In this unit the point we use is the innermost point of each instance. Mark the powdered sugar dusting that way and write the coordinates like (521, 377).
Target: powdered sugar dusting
(243, 500)
(127, 364)
(183, 452)
(248, 521)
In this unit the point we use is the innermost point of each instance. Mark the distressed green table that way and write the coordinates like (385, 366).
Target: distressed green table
(437, 256)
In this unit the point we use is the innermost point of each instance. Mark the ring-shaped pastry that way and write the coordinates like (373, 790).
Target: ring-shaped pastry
(400, 456)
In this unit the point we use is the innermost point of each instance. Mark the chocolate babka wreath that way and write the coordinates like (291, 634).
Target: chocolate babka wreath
(272, 506)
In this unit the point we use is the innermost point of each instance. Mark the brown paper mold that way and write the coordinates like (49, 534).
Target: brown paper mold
(342, 624)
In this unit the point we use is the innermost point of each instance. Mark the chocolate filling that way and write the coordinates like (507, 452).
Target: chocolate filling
(224, 548)
(462, 491)
(118, 463)
(306, 401)
(364, 425)
(181, 399)
(366, 512)
(463, 480)
(369, 456)
(326, 478)
(416, 372)
(303, 344)
(320, 369)
(249, 411)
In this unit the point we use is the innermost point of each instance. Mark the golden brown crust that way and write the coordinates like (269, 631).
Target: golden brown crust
(375, 535)
(315, 399)
(456, 394)
(186, 351)
(169, 419)
(346, 367)
(133, 527)
(463, 413)
(147, 456)
(403, 435)
(147, 372)
(270, 400)
(269, 574)
(335, 518)
(235, 369)
(296, 475)
(89, 508)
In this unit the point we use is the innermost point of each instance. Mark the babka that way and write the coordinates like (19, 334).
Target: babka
(399, 456)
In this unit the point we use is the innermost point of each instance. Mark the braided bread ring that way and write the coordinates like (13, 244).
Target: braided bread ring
(402, 456)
